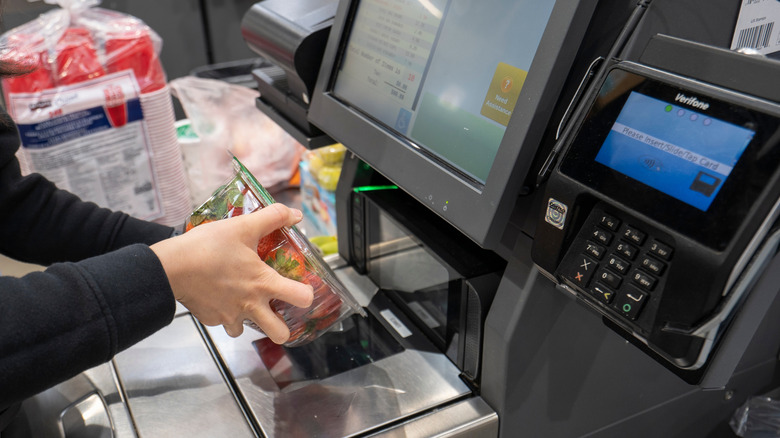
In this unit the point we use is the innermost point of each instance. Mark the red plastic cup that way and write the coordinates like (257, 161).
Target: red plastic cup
(28, 52)
(77, 59)
(116, 106)
(134, 50)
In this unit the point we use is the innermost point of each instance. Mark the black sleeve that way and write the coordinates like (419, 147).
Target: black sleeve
(73, 316)
(112, 293)
(41, 224)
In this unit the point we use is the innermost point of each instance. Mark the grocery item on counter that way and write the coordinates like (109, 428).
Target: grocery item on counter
(95, 92)
(289, 253)
(320, 170)
(325, 164)
(327, 245)
(63, 48)
(224, 116)
(76, 57)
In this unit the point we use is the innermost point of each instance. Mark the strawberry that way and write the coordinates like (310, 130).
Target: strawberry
(237, 201)
(296, 332)
(234, 211)
(314, 280)
(192, 223)
(327, 312)
(287, 261)
(269, 243)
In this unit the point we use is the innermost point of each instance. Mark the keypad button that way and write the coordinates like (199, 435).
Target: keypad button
(603, 293)
(660, 249)
(609, 222)
(634, 236)
(602, 237)
(630, 302)
(619, 265)
(595, 250)
(627, 250)
(652, 265)
(608, 278)
(643, 280)
(581, 271)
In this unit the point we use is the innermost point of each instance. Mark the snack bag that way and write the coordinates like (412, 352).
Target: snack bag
(289, 253)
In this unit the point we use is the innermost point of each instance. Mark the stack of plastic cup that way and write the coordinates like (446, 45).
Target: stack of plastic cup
(167, 159)
(77, 60)
(129, 46)
(29, 52)
(101, 43)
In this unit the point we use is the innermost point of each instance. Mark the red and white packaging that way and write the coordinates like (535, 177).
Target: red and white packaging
(94, 111)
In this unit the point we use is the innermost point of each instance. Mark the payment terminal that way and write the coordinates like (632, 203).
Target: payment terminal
(662, 206)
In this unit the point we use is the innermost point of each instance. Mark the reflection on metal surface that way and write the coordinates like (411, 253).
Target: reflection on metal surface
(174, 387)
(396, 390)
(90, 399)
(360, 342)
(471, 418)
(351, 402)
(361, 288)
(87, 418)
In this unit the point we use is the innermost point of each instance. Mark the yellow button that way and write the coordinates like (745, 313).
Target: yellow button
(503, 92)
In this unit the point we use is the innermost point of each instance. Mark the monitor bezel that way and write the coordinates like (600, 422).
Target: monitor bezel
(479, 211)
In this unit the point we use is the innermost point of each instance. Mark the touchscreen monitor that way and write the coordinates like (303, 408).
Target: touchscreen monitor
(450, 99)
(446, 74)
(679, 151)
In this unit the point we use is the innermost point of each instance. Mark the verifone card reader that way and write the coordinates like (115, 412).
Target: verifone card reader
(661, 202)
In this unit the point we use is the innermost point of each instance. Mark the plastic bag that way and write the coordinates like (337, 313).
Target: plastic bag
(94, 111)
(79, 42)
(758, 417)
(224, 116)
(289, 253)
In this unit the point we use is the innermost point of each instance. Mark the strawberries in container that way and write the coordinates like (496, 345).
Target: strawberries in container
(289, 253)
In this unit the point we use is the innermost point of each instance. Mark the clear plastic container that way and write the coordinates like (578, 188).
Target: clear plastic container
(289, 253)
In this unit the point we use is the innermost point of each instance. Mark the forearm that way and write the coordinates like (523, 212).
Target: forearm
(73, 316)
(41, 224)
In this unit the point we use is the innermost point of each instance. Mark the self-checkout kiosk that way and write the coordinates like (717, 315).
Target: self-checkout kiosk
(560, 217)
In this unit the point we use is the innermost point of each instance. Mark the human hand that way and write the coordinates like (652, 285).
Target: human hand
(215, 272)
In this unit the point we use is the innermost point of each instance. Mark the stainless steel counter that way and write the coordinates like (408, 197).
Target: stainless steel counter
(175, 388)
(286, 400)
(190, 380)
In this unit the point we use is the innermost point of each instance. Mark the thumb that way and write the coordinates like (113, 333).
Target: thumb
(262, 222)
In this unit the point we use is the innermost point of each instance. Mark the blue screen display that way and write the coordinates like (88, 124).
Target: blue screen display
(683, 153)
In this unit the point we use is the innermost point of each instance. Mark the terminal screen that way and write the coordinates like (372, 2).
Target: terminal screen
(445, 74)
(673, 148)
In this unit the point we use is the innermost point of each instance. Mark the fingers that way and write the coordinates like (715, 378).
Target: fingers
(294, 292)
(263, 316)
(261, 222)
(234, 330)
(272, 324)
(259, 311)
